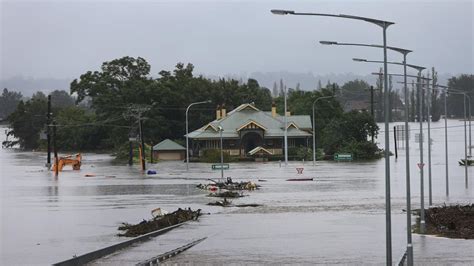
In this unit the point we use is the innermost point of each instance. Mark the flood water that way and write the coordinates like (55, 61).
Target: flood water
(339, 218)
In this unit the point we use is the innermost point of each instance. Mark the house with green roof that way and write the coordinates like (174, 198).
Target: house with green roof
(168, 150)
(246, 128)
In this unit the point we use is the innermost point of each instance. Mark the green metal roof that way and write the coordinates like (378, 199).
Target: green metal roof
(246, 113)
(168, 145)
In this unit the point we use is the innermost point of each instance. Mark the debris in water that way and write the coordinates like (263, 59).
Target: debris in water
(226, 194)
(144, 227)
(228, 203)
(229, 185)
(454, 221)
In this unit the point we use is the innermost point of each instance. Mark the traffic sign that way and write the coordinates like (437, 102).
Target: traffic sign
(420, 165)
(219, 166)
(343, 157)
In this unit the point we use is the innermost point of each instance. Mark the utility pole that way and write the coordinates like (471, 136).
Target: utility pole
(140, 126)
(136, 111)
(372, 109)
(48, 133)
(55, 148)
(130, 152)
(151, 152)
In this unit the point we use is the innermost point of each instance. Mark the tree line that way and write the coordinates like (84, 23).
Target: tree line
(103, 107)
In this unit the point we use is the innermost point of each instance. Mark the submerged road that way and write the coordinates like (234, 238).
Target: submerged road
(338, 218)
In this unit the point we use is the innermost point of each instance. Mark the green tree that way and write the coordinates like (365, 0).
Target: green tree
(26, 122)
(120, 83)
(61, 99)
(8, 102)
(78, 130)
(350, 130)
(463, 83)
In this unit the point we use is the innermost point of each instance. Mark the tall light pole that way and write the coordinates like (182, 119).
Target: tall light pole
(404, 52)
(286, 132)
(465, 132)
(384, 25)
(314, 127)
(222, 154)
(446, 140)
(465, 96)
(187, 131)
(428, 95)
(421, 164)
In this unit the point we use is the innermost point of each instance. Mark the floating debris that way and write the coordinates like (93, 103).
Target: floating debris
(300, 179)
(226, 194)
(160, 222)
(229, 185)
(454, 221)
(469, 162)
(222, 203)
(228, 203)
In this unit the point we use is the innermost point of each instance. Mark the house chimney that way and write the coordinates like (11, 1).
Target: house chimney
(274, 109)
(223, 111)
(218, 112)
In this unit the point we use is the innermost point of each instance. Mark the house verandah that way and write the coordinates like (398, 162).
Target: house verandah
(246, 128)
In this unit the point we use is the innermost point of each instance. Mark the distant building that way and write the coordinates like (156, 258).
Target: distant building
(246, 128)
(168, 150)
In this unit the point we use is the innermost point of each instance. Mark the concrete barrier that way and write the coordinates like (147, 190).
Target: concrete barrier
(97, 254)
(169, 254)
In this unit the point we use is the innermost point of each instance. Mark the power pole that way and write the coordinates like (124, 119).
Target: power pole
(136, 112)
(142, 142)
(48, 134)
(372, 108)
(55, 148)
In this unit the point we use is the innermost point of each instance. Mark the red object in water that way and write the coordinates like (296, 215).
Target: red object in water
(300, 179)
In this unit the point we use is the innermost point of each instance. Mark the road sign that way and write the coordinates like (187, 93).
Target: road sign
(343, 157)
(218, 166)
(420, 165)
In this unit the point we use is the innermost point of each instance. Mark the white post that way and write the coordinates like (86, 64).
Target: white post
(286, 134)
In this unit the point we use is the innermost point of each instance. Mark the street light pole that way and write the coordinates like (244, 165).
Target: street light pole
(384, 25)
(465, 129)
(446, 139)
(407, 144)
(465, 138)
(286, 133)
(428, 95)
(407, 162)
(314, 127)
(421, 165)
(222, 154)
(187, 131)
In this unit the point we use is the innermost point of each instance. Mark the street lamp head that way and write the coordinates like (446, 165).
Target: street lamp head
(282, 12)
(327, 42)
(359, 60)
(208, 101)
(220, 128)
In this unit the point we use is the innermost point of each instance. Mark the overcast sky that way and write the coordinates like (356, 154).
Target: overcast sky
(63, 39)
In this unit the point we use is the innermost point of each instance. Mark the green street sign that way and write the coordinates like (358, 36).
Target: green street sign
(218, 166)
(343, 157)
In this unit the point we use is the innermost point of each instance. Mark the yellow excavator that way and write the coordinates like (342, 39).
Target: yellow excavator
(68, 160)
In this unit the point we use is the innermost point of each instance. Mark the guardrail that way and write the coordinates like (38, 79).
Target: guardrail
(97, 254)
(169, 254)
(402, 260)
